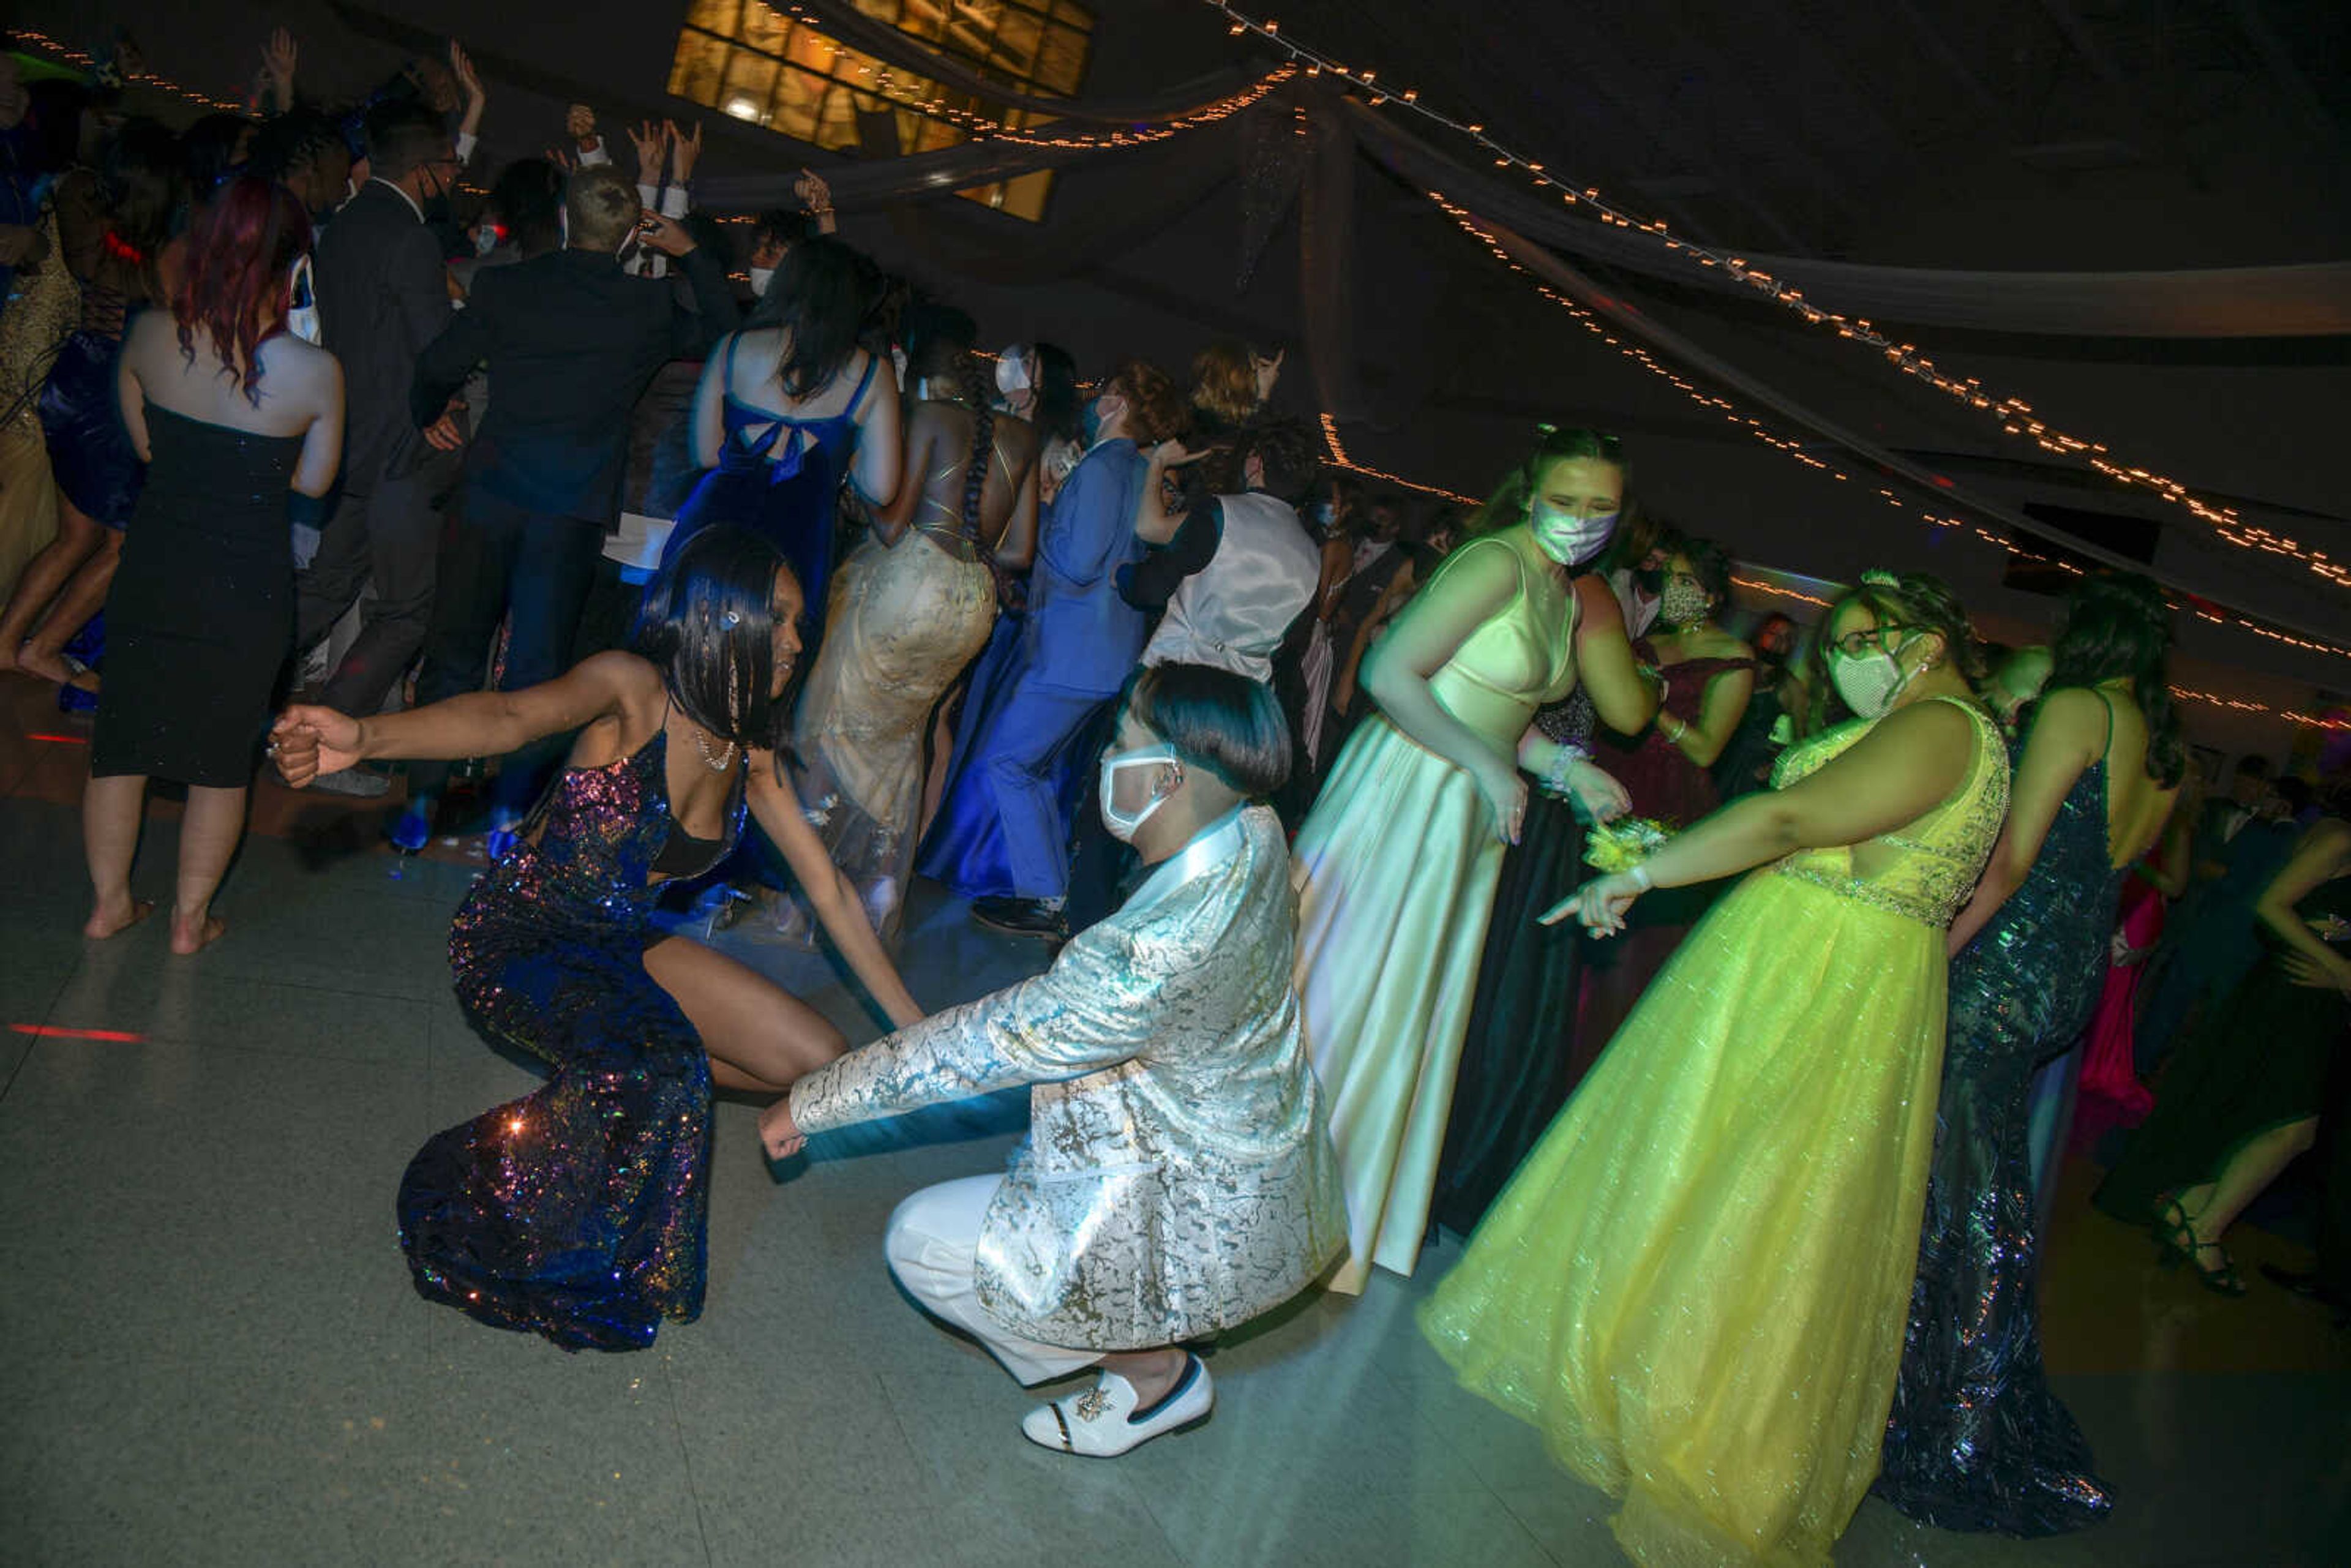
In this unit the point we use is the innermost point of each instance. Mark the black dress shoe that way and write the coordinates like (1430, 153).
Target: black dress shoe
(1020, 918)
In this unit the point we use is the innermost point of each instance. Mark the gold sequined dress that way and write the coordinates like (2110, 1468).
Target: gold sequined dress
(1697, 1284)
(40, 316)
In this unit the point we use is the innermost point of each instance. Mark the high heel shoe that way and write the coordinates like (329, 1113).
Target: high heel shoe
(2177, 1242)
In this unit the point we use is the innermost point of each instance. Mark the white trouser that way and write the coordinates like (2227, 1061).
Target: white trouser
(932, 1245)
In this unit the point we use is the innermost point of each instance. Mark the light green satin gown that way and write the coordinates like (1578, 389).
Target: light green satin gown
(1395, 869)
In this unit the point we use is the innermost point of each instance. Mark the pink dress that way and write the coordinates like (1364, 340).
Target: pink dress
(2109, 1075)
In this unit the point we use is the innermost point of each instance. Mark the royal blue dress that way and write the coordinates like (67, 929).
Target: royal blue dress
(1976, 1440)
(779, 477)
(577, 1211)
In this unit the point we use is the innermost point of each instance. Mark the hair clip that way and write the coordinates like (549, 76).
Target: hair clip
(1878, 577)
(730, 619)
(1546, 430)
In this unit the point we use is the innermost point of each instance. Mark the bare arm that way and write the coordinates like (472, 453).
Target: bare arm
(311, 741)
(830, 892)
(1016, 549)
(1154, 523)
(891, 521)
(2323, 853)
(322, 443)
(709, 408)
(1625, 699)
(1904, 767)
(129, 395)
(2067, 735)
(880, 448)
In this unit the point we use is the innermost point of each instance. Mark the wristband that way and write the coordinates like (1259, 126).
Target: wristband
(1639, 877)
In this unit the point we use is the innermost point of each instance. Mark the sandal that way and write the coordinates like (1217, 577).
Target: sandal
(2177, 1243)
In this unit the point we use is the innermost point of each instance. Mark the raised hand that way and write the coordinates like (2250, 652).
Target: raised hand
(652, 142)
(684, 151)
(666, 236)
(277, 59)
(1173, 453)
(469, 84)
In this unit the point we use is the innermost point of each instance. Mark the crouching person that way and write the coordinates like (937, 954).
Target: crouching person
(1178, 1177)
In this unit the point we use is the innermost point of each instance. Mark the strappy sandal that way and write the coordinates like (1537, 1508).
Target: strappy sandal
(2177, 1242)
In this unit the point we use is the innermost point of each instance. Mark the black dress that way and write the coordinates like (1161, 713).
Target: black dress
(1519, 1058)
(2256, 1065)
(200, 615)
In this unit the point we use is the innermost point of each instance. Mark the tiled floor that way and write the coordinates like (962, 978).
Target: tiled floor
(213, 1354)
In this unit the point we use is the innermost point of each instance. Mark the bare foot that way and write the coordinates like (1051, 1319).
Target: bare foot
(194, 936)
(105, 922)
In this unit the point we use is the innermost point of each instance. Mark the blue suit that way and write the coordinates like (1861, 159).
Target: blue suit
(1029, 741)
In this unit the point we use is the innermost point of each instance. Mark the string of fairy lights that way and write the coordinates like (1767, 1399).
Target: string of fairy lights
(1315, 64)
(2013, 414)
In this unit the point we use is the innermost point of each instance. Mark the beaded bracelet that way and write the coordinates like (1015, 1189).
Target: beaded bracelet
(1554, 779)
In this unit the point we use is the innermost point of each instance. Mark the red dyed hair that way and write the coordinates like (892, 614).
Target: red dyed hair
(242, 247)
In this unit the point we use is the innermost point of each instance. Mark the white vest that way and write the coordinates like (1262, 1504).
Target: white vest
(1233, 612)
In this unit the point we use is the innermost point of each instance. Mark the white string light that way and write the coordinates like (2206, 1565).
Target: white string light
(2013, 414)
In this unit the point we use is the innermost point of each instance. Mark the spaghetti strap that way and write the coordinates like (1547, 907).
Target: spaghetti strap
(727, 386)
(863, 381)
(2109, 753)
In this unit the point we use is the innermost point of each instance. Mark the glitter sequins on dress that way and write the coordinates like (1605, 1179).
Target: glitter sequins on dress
(1697, 1284)
(1977, 1441)
(576, 1212)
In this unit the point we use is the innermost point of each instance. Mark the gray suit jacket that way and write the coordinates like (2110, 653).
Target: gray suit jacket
(1178, 1175)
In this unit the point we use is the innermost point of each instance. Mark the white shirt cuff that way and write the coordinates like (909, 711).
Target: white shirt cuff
(596, 154)
(466, 142)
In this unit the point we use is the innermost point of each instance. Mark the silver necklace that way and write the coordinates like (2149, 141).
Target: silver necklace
(720, 762)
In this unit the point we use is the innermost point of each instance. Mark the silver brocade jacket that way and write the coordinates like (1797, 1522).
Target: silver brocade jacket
(1178, 1176)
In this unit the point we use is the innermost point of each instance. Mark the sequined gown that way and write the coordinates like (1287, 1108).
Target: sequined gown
(1696, 1286)
(1396, 868)
(905, 620)
(1976, 1440)
(576, 1212)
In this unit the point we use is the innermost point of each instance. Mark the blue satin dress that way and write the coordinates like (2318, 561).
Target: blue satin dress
(1976, 1440)
(577, 1211)
(779, 477)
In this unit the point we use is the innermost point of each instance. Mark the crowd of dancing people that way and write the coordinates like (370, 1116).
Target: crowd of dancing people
(1733, 987)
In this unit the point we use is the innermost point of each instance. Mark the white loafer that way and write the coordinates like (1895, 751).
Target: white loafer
(1103, 1422)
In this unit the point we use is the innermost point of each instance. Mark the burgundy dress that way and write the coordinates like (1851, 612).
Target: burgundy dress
(1666, 785)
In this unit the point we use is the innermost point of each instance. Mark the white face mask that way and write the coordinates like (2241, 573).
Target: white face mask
(1012, 371)
(1868, 682)
(1122, 826)
(1567, 538)
(760, 277)
(302, 303)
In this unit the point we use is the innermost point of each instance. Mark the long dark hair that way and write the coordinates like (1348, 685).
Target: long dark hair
(1058, 409)
(815, 299)
(2118, 623)
(708, 624)
(1512, 498)
(142, 180)
(939, 343)
(241, 251)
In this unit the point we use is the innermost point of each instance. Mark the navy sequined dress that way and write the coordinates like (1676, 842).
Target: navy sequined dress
(576, 1212)
(1976, 1440)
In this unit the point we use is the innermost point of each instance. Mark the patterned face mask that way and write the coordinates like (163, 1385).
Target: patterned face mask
(1683, 603)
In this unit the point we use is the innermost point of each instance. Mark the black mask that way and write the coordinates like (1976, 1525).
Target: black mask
(435, 204)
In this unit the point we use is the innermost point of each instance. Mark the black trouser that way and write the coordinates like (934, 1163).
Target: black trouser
(1098, 864)
(386, 526)
(534, 569)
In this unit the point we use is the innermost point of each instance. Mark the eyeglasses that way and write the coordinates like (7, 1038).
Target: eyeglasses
(1856, 642)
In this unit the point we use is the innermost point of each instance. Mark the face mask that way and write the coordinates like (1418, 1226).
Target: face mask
(1122, 826)
(485, 239)
(1868, 682)
(760, 277)
(1012, 371)
(898, 365)
(1090, 421)
(302, 303)
(1569, 539)
(436, 207)
(1682, 604)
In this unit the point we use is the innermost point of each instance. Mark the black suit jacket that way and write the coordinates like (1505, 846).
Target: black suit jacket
(383, 295)
(571, 342)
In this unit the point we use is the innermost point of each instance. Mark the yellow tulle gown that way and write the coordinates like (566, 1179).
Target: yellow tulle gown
(1396, 868)
(1696, 1285)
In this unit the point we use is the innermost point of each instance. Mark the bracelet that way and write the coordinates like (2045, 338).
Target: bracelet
(1554, 779)
(1639, 877)
(1680, 729)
